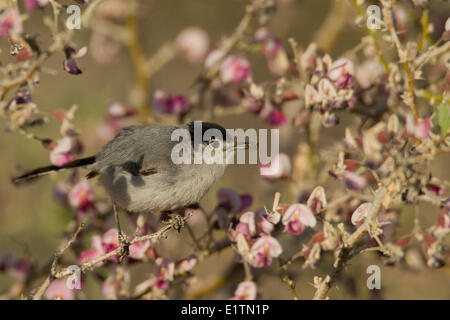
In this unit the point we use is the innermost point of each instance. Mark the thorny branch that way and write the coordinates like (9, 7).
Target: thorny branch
(90, 265)
(348, 245)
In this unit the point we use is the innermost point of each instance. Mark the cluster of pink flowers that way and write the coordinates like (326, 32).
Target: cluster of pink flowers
(330, 86)
(253, 231)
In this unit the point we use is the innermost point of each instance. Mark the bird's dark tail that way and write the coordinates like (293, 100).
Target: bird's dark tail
(49, 169)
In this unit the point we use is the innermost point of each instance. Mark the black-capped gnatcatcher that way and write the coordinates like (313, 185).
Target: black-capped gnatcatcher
(138, 171)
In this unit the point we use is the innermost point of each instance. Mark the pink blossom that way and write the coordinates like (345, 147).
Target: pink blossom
(140, 250)
(118, 110)
(317, 200)
(244, 229)
(110, 288)
(326, 90)
(252, 104)
(263, 35)
(276, 117)
(273, 50)
(101, 245)
(64, 152)
(166, 103)
(81, 197)
(61, 159)
(354, 181)
(296, 217)
(58, 290)
(235, 69)
(30, 5)
(341, 72)
(10, 21)
(252, 223)
(193, 43)
(444, 219)
(312, 96)
(164, 271)
(110, 240)
(264, 249)
(246, 225)
(436, 186)
(360, 214)
(279, 64)
(188, 263)
(271, 47)
(20, 270)
(263, 225)
(420, 129)
(246, 290)
(279, 168)
(96, 251)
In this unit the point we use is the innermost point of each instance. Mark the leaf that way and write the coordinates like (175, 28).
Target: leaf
(443, 119)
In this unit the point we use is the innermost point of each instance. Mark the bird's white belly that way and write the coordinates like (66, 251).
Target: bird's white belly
(156, 192)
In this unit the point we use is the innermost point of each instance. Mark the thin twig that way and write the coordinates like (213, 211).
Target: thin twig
(348, 245)
(43, 287)
(92, 264)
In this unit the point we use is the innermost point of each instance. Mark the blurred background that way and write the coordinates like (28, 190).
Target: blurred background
(31, 223)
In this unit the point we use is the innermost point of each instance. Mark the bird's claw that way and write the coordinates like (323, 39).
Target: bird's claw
(177, 221)
(124, 246)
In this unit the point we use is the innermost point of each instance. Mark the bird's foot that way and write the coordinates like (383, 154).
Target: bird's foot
(124, 246)
(177, 221)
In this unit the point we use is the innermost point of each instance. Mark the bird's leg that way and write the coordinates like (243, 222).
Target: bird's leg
(178, 221)
(173, 217)
(123, 243)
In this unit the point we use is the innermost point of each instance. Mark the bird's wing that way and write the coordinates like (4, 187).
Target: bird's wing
(138, 150)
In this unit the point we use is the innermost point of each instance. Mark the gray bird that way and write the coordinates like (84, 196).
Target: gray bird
(137, 170)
